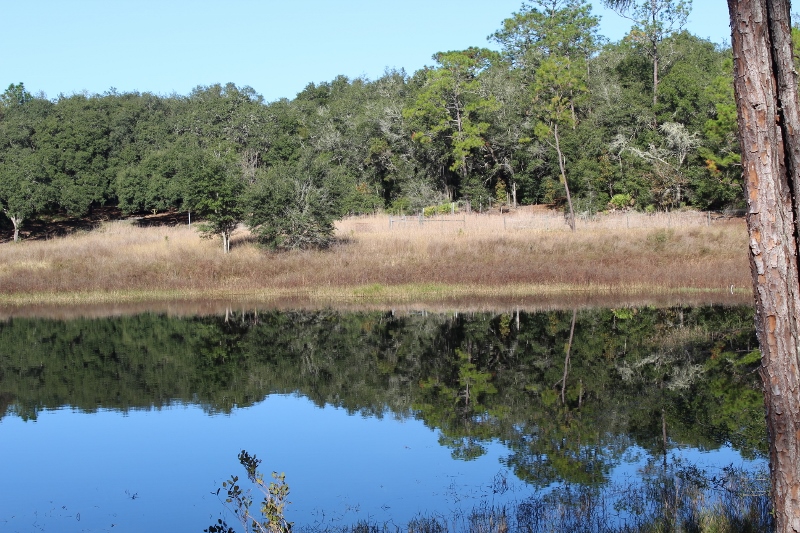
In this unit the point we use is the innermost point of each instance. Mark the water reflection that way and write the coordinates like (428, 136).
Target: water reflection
(548, 398)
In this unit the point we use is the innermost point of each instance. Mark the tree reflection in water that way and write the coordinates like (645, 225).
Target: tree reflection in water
(567, 392)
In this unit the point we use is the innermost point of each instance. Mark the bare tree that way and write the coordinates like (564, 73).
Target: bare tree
(769, 122)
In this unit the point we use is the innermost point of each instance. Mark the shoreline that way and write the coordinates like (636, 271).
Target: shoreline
(482, 262)
(401, 299)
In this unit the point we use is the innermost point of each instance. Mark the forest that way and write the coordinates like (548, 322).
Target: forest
(553, 114)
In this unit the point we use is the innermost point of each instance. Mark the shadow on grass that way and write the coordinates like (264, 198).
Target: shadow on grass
(61, 225)
(58, 225)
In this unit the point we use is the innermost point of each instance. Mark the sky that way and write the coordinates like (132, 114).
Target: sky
(276, 47)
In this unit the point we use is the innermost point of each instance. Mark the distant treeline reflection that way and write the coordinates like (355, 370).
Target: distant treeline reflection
(567, 392)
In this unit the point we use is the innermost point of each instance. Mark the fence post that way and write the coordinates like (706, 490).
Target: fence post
(708, 219)
(391, 222)
(421, 219)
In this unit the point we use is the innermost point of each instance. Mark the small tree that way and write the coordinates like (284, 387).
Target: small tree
(24, 189)
(214, 190)
(273, 504)
(294, 206)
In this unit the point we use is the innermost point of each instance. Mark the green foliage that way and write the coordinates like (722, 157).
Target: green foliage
(26, 188)
(15, 94)
(447, 114)
(294, 206)
(441, 209)
(721, 184)
(655, 21)
(272, 506)
(215, 194)
(159, 181)
(621, 201)
(558, 109)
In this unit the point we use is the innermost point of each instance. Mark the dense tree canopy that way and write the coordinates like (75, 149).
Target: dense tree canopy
(556, 115)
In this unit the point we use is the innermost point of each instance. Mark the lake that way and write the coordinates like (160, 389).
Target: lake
(132, 423)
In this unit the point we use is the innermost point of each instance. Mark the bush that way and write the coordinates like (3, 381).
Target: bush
(621, 201)
(441, 209)
(294, 207)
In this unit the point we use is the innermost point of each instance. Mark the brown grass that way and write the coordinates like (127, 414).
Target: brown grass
(454, 258)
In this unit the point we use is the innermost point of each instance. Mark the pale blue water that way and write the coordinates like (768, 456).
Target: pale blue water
(156, 470)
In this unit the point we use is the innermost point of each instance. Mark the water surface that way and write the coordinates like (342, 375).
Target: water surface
(132, 423)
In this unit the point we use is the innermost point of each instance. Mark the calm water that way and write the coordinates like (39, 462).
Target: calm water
(132, 423)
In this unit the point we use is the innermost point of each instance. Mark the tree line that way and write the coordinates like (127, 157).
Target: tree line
(558, 115)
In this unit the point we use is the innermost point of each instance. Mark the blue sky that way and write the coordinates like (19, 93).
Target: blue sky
(276, 47)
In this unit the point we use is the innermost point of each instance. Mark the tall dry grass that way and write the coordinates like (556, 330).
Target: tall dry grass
(499, 250)
(467, 255)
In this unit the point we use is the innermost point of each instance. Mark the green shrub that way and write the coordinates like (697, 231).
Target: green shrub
(239, 501)
(621, 201)
(441, 209)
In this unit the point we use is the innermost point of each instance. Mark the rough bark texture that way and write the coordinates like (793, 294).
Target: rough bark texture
(766, 99)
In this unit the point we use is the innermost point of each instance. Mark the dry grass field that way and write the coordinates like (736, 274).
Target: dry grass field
(382, 260)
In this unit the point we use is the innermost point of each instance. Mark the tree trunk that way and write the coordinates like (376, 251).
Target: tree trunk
(566, 357)
(514, 193)
(17, 221)
(226, 241)
(766, 98)
(655, 80)
(564, 177)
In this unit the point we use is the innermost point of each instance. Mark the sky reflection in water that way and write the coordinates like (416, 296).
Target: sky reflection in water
(157, 469)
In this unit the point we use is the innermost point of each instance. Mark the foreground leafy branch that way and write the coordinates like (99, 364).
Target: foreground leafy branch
(240, 501)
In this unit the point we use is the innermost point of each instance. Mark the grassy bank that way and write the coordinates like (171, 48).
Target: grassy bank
(381, 260)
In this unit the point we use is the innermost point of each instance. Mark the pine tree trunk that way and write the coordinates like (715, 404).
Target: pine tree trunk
(564, 177)
(766, 98)
(655, 81)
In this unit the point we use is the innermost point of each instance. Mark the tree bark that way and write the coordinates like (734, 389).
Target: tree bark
(766, 98)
